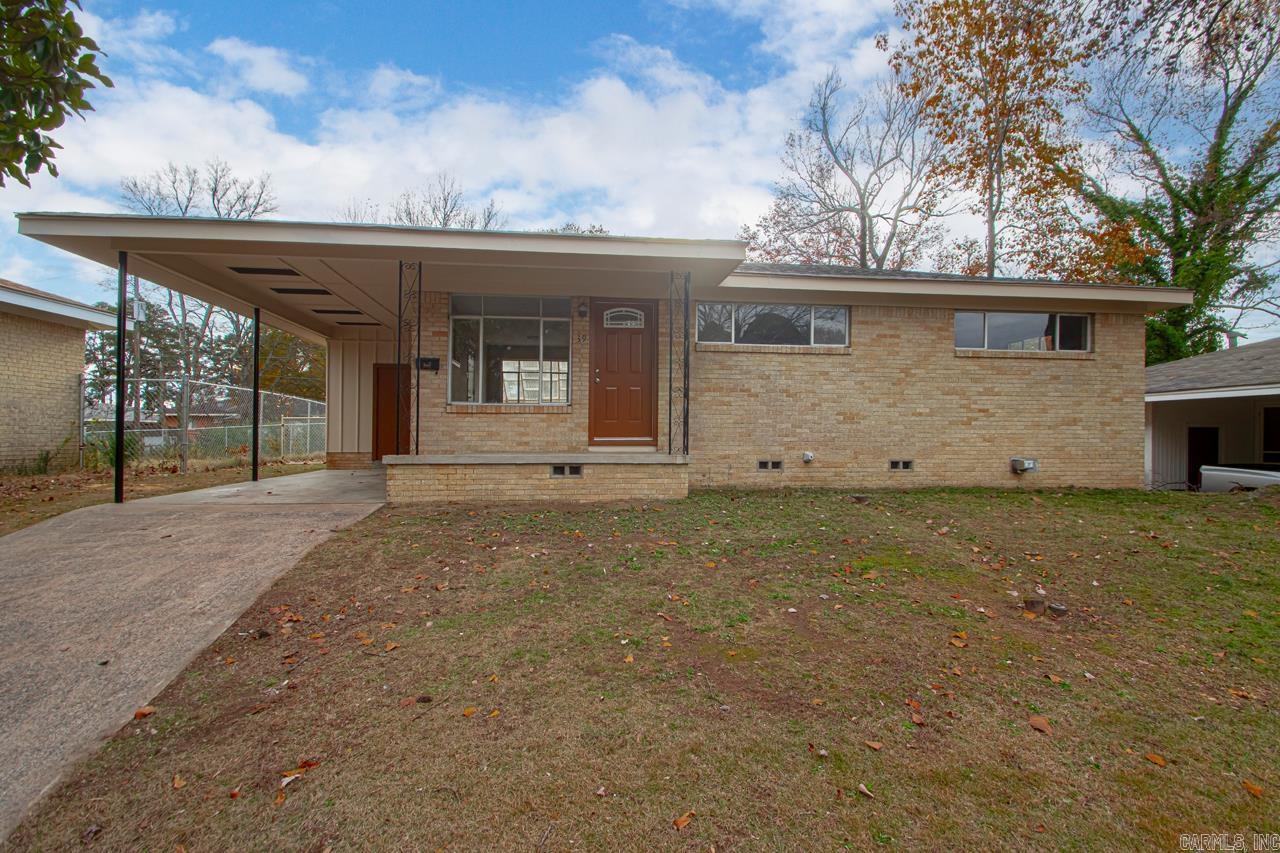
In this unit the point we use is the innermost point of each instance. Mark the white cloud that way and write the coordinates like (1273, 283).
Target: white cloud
(395, 87)
(645, 144)
(259, 68)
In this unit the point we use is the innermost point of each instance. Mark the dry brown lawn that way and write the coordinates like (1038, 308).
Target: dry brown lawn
(28, 498)
(582, 678)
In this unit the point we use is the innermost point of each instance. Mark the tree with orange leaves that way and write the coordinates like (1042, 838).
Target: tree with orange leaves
(1001, 86)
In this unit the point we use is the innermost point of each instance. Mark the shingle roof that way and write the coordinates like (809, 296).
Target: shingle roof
(1251, 364)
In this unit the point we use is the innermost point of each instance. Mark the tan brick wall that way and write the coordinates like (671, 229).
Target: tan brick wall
(903, 392)
(900, 391)
(460, 428)
(487, 483)
(348, 461)
(40, 365)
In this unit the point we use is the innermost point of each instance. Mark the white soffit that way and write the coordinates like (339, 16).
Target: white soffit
(301, 273)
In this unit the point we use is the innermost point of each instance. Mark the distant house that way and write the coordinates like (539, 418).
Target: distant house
(1218, 408)
(41, 360)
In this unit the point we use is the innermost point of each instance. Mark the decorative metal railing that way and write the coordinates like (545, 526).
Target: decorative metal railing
(409, 350)
(679, 319)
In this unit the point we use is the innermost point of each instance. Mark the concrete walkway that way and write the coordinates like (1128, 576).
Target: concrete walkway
(101, 607)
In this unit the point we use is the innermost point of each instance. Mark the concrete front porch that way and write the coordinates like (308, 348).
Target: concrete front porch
(571, 477)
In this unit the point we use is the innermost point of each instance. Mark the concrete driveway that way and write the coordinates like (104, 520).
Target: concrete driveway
(100, 608)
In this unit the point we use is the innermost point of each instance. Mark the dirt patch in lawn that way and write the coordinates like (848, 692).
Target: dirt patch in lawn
(29, 498)
(571, 678)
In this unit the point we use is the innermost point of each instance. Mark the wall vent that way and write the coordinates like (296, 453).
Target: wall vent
(769, 465)
(902, 464)
(566, 470)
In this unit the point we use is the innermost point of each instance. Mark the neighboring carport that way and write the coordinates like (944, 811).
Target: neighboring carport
(101, 607)
(1218, 408)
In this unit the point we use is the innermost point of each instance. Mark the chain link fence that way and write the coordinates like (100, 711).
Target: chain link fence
(180, 421)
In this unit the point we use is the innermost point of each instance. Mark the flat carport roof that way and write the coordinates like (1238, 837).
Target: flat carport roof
(318, 280)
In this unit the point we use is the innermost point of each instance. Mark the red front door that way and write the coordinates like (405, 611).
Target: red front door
(624, 372)
(385, 438)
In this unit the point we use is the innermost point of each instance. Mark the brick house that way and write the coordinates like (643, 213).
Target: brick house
(41, 360)
(498, 365)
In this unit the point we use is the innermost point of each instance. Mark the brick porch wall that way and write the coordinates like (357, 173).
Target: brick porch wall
(902, 391)
(486, 483)
(40, 366)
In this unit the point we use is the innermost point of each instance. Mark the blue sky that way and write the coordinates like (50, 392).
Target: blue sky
(660, 117)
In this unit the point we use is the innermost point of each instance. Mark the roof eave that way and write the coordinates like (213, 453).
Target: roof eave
(1130, 298)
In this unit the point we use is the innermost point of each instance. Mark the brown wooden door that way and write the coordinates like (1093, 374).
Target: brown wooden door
(1202, 449)
(384, 409)
(624, 372)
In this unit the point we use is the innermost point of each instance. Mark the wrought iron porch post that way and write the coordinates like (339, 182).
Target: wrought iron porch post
(416, 415)
(688, 286)
(399, 349)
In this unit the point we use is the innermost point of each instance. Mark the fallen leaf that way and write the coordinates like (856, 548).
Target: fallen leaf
(1055, 679)
(469, 710)
(495, 712)
(600, 792)
(234, 793)
(391, 647)
(144, 711)
(407, 701)
(1041, 724)
(1256, 790)
(280, 797)
(179, 782)
(683, 821)
(917, 719)
(1156, 759)
(874, 744)
(629, 659)
(959, 644)
(817, 703)
(710, 564)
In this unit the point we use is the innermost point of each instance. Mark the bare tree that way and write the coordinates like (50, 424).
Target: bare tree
(862, 184)
(208, 190)
(439, 204)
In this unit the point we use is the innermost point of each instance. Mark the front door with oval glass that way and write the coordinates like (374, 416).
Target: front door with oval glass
(624, 373)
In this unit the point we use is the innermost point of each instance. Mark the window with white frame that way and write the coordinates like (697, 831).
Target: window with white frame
(770, 324)
(1022, 330)
(508, 349)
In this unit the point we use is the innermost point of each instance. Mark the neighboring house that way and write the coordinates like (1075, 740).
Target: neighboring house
(505, 366)
(1218, 408)
(41, 361)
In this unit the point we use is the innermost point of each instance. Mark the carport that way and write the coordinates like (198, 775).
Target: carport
(1221, 408)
